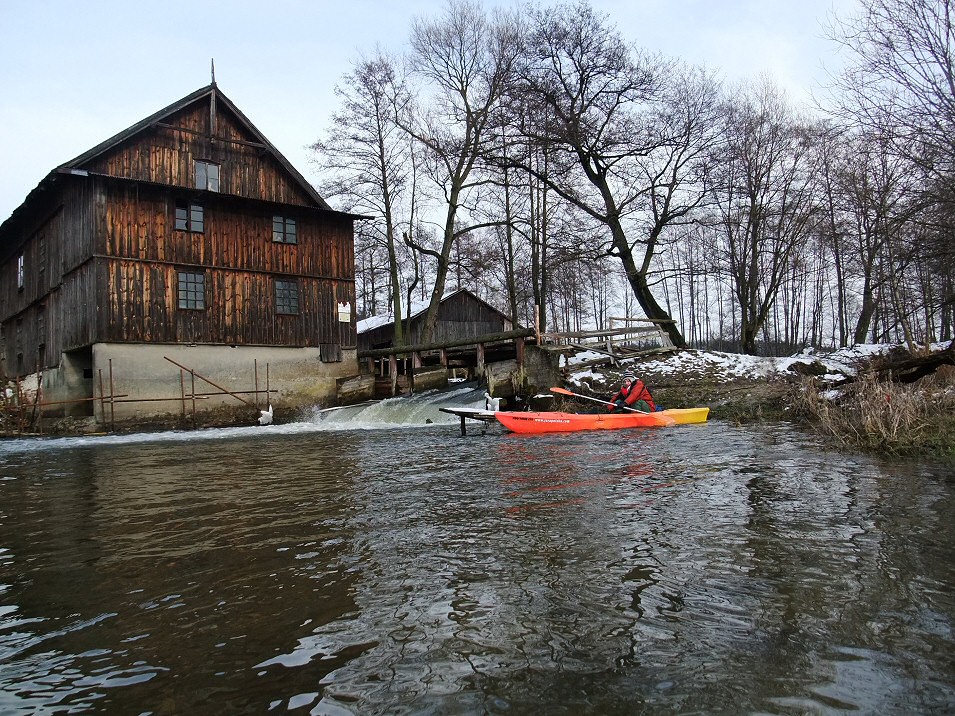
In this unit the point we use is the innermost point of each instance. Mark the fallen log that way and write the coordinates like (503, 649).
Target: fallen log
(909, 367)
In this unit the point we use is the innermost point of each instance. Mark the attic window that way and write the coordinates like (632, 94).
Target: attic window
(189, 217)
(284, 230)
(207, 176)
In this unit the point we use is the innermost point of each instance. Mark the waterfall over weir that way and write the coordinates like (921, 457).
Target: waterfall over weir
(414, 410)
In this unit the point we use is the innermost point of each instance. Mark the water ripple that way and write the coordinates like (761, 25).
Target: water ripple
(703, 569)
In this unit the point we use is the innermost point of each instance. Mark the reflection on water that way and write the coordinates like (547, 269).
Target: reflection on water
(694, 569)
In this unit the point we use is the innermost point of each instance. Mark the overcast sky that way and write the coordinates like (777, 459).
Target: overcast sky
(73, 74)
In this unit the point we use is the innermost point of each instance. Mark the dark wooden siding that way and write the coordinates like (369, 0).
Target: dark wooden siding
(102, 253)
(56, 306)
(240, 261)
(139, 223)
(141, 306)
(167, 154)
(463, 314)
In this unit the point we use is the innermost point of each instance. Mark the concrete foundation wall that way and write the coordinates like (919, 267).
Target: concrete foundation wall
(295, 376)
(538, 373)
(541, 369)
(430, 379)
(68, 386)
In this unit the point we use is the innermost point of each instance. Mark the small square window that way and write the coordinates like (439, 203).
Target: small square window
(286, 297)
(284, 230)
(207, 176)
(189, 217)
(192, 290)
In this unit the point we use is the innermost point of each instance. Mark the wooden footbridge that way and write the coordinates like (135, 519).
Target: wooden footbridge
(400, 367)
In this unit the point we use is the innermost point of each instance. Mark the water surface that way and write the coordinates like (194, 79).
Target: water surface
(694, 569)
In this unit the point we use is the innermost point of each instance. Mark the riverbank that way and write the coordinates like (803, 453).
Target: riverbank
(837, 395)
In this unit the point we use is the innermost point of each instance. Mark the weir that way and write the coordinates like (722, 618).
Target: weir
(417, 410)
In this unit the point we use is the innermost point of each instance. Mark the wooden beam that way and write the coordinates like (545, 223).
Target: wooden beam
(453, 343)
(163, 125)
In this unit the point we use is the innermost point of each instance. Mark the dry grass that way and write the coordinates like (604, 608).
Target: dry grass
(880, 415)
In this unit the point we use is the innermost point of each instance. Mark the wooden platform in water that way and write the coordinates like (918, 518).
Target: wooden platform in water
(486, 416)
(479, 414)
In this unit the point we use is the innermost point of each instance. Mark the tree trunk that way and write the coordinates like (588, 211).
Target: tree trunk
(641, 289)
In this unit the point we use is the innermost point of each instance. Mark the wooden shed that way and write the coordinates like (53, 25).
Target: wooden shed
(461, 314)
(185, 240)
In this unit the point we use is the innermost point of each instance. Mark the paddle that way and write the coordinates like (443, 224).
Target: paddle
(564, 391)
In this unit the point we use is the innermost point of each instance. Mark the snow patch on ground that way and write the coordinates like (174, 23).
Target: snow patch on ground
(729, 366)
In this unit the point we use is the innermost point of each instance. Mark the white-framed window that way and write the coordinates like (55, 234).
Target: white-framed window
(207, 176)
(21, 271)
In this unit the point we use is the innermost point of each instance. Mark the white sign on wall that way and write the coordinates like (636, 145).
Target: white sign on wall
(344, 312)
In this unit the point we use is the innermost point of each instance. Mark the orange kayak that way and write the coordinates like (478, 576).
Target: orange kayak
(530, 422)
(552, 422)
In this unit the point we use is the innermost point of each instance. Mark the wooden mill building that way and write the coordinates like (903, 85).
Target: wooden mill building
(185, 241)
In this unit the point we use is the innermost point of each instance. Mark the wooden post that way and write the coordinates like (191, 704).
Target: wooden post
(38, 402)
(480, 360)
(112, 398)
(537, 323)
(393, 372)
(102, 397)
(182, 392)
(19, 407)
(519, 351)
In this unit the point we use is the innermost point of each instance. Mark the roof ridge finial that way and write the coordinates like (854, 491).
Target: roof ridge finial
(213, 72)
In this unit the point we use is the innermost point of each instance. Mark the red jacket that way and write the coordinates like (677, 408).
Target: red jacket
(637, 391)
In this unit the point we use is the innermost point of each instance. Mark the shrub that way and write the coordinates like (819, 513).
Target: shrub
(882, 415)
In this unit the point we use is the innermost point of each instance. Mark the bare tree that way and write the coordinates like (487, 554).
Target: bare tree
(464, 60)
(367, 156)
(629, 130)
(764, 198)
(900, 78)
(873, 191)
(899, 86)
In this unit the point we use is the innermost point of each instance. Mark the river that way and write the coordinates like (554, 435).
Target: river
(376, 564)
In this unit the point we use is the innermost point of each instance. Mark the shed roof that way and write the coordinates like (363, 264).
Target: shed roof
(416, 309)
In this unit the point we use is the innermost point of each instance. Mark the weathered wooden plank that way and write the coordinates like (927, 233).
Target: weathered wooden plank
(451, 343)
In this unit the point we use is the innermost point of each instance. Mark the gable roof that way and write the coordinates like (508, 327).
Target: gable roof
(210, 92)
(416, 309)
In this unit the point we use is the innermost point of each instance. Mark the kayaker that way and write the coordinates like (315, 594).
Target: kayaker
(632, 394)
